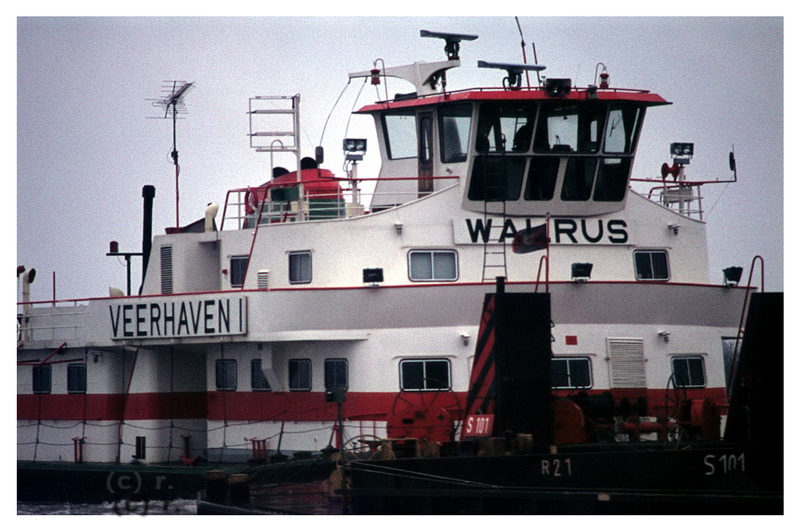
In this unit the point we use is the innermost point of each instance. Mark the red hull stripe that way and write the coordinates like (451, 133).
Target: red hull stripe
(263, 406)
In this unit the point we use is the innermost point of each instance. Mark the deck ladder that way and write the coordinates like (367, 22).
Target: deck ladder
(494, 183)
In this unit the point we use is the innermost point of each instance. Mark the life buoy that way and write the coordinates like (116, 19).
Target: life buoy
(250, 201)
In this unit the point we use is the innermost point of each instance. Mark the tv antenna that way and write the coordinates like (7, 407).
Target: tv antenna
(173, 93)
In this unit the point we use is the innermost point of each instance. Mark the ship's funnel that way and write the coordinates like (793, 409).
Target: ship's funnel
(148, 193)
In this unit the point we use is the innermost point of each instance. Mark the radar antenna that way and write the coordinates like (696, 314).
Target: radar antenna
(452, 41)
(174, 92)
(514, 71)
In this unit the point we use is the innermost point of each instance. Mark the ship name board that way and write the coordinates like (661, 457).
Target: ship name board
(185, 318)
(562, 230)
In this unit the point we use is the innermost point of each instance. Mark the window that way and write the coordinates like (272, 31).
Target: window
(299, 374)
(612, 179)
(300, 267)
(432, 265)
(258, 380)
(623, 120)
(505, 127)
(238, 269)
(400, 129)
(571, 372)
(76, 378)
(141, 448)
(226, 375)
(42, 379)
(424, 375)
(454, 124)
(578, 179)
(542, 174)
(689, 371)
(496, 178)
(651, 265)
(569, 128)
(335, 374)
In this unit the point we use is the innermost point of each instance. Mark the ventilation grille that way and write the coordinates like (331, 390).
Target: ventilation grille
(263, 279)
(627, 363)
(166, 269)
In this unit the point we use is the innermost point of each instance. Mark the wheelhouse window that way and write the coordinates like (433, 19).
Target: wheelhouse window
(238, 269)
(226, 375)
(454, 126)
(300, 267)
(496, 178)
(400, 129)
(651, 265)
(571, 372)
(299, 374)
(612, 179)
(432, 265)
(76, 378)
(689, 371)
(569, 128)
(42, 379)
(578, 179)
(542, 173)
(336, 374)
(425, 375)
(258, 379)
(623, 121)
(505, 127)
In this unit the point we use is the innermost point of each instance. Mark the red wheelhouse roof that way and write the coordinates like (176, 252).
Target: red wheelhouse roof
(536, 94)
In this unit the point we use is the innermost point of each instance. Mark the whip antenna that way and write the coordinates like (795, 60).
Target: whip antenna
(524, 54)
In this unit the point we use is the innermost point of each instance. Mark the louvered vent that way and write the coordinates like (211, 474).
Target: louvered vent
(263, 279)
(166, 269)
(627, 362)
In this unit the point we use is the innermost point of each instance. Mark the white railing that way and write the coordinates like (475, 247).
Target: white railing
(49, 322)
(242, 210)
(684, 199)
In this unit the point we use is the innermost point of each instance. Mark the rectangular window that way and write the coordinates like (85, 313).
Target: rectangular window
(496, 178)
(424, 375)
(300, 267)
(454, 125)
(226, 375)
(335, 374)
(299, 374)
(569, 128)
(400, 129)
(571, 372)
(689, 371)
(258, 379)
(623, 121)
(542, 174)
(141, 448)
(612, 179)
(505, 127)
(42, 379)
(238, 269)
(578, 179)
(651, 265)
(424, 265)
(76, 378)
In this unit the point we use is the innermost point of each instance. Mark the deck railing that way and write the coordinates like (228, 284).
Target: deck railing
(244, 210)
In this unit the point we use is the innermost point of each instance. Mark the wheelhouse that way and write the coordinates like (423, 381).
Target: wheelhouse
(532, 151)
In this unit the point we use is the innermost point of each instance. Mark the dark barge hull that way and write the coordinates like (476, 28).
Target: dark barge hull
(697, 479)
(98, 482)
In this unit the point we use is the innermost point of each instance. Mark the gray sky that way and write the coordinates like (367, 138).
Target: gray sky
(85, 146)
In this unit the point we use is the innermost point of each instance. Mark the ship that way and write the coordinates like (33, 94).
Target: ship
(310, 314)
